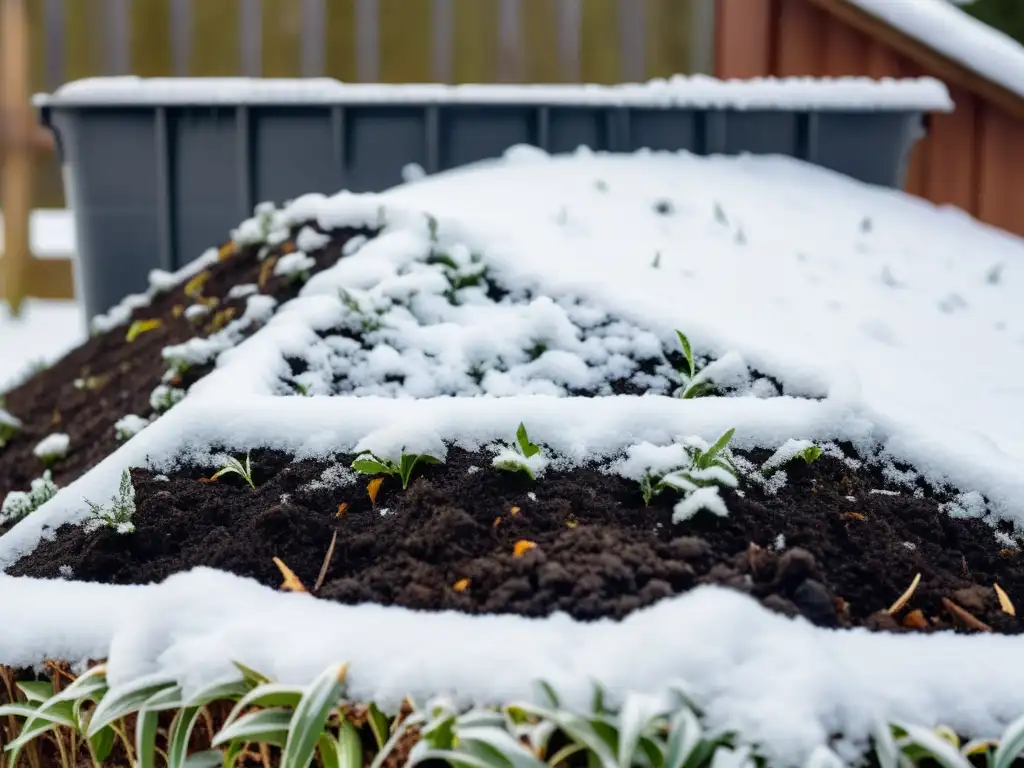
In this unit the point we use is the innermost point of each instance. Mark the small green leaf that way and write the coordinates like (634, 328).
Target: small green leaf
(1011, 745)
(208, 758)
(369, 465)
(512, 465)
(687, 352)
(720, 443)
(328, 749)
(36, 691)
(126, 700)
(307, 723)
(811, 454)
(266, 695)
(379, 725)
(102, 743)
(269, 726)
(527, 448)
(179, 735)
(350, 746)
(251, 677)
(145, 739)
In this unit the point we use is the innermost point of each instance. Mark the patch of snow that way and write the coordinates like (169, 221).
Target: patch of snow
(693, 91)
(294, 264)
(243, 291)
(702, 498)
(309, 240)
(787, 451)
(128, 426)
(779, 682)
(53, 447)
(196, 311)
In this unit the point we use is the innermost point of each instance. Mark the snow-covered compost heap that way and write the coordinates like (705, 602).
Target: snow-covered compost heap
(638, 422)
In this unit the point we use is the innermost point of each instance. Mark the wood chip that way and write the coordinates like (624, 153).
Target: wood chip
(373, 488)
(177, 310)
(915, 620)
(521, 547)
(514, 511)
(1004, 601)
(266, 271)
(905, 597)
(342, 508)
(968, 619)
(327, 561)
(461, 585)
(291, 581)
(854, 516)
(497, 521)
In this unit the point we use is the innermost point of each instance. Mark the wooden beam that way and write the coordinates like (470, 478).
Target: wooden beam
(930, 60)
(16, 187)
(47, 278)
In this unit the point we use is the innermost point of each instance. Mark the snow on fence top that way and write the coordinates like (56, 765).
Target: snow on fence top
(959, 36)
(698, 91)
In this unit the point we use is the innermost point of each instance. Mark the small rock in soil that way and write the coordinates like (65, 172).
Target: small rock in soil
(815, 602)
(973, 598)
(795, 565)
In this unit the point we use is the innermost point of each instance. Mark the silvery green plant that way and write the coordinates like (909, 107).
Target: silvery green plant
(709, 467)
(19, 504)
(9, 425)
(164, 397)
(129, 426)
(368, 464)
(233, 466)
(517, 458)
(52, 449)
(692, 386)
(119, 513)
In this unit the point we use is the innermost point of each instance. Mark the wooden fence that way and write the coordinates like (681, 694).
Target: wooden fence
(49, 42)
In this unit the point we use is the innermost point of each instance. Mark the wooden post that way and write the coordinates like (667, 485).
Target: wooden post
(16, 132)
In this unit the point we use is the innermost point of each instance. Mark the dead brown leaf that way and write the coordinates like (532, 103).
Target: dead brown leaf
(342, 508)
(266, 271)
(915, 620)
(1004, 601)
(226, 251)
(177, 310)
(903, 599)
(194, 287)
(514, 511)
(497, 521)
(521, 547)
(373, 488)
(968, 619)
(327, 561)
(461, 585)
(854, 516)
(291, 581)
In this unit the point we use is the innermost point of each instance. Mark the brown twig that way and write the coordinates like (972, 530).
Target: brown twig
(969, 620)
(903, 599)
(327, 561)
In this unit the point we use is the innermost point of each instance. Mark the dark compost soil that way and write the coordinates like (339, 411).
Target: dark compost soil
(125, 373)
(599, 551)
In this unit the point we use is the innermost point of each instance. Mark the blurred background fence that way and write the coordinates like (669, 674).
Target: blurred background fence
(601, 41)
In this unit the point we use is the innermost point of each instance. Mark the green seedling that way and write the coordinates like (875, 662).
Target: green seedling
(709, 467)
(811, 454)
(118, 516)
(19, 504)
(691, 387)
(163, 398)
(367, 321)
(233, 466)
(516, 459)
(52, 449)
(368, 464)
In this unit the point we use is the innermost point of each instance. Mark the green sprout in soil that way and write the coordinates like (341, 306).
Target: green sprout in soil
(52, 449)
(163, 398)
(19, 504)
(118, 516)
(811, 454)
(368, 464)
(368, 322)
(233, 466)
(9, 425)
(691, 387)
(709, 467)
(140, 327)
(517, 458)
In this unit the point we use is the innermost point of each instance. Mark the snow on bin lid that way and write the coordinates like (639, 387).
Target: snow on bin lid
(848, 93)
(958, 36)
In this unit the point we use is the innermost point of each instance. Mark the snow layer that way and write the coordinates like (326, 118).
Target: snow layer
(777, 681)
(693, 91)
(950, 31)
(878, 304)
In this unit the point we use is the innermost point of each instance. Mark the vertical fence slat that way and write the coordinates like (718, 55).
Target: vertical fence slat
(403, 50)
(570, 39)
(250, 38)
(631, 39)
(601, 53)
(115, 37)
(150, 38)
(314, 18)
(702, 37)
(442, 40)
(510, 42)
(667, 47)
(53, 34)
(181, 33)
(367, 41)
(214, 50)
(281, 30)
(538, 29)
(340, 40)
(476, 37)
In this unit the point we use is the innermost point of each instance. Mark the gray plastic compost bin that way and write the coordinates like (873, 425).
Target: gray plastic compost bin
(154, 183)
